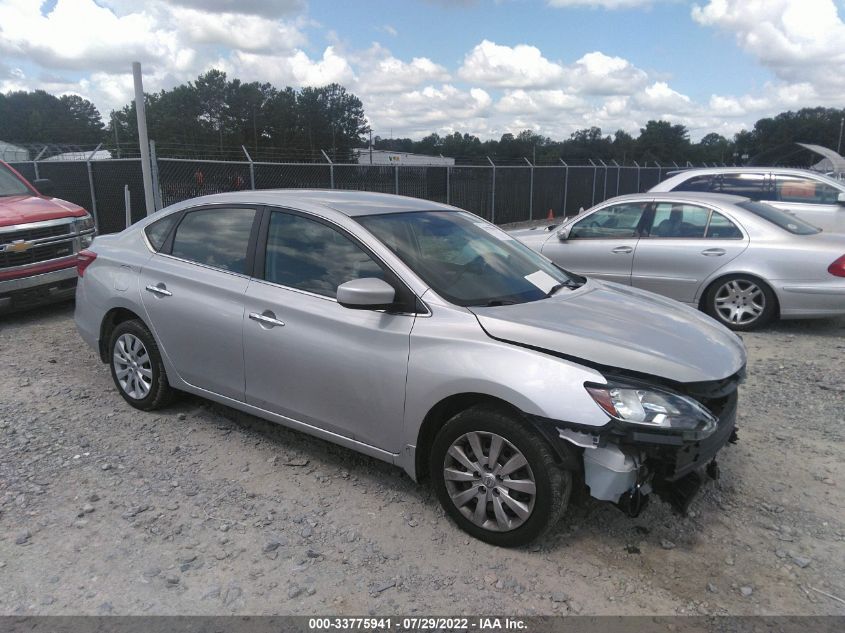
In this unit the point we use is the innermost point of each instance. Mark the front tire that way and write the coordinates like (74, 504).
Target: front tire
(740, 302)
(497, 478)
(136, 367)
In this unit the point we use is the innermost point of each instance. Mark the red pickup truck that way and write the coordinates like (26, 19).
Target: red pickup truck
(39, 239)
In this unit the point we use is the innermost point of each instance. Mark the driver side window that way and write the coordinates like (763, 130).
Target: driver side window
(618, 221)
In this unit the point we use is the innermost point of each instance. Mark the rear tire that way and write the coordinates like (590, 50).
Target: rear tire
(510, 493)
(137, 368)
(741, 302)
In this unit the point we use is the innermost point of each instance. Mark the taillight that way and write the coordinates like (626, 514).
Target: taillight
(84, 259)
(838, 267)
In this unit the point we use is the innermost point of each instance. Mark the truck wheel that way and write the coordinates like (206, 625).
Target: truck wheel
(497, 478)
(136, 367)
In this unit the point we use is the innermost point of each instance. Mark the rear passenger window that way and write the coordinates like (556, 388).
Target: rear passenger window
(696, 183)
(679, 220)
(801, 189)
(215, 237)
(752, 186)
(722, 228)
(158, 231)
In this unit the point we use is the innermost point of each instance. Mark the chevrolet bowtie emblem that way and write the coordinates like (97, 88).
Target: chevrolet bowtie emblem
(18, 246)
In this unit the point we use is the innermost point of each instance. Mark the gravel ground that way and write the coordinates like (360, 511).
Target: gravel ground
(201, 509)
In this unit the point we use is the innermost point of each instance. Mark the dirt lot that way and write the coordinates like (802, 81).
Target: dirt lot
(200, 509)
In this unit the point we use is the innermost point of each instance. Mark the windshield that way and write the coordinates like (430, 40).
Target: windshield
(784, 220)
(11, 185)
(466, 260)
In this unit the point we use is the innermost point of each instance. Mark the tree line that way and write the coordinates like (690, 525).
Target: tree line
(215, 116)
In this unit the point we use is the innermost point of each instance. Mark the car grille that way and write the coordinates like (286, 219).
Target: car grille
(36, 233)
(36, 254)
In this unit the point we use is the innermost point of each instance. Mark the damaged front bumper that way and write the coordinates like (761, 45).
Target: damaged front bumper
(624, 463)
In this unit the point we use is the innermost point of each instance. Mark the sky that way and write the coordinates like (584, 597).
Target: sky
(486, 67)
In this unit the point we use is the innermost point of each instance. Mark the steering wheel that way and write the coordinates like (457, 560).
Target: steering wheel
(476, 265)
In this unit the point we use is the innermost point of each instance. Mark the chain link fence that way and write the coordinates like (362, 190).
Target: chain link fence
(499, 193)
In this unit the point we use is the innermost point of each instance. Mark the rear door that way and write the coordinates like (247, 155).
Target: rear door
(686, 244)
(811, 199)
(601, 244)
(193, 292)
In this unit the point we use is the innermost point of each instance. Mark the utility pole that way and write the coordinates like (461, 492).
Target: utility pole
(371, 147)
(143, 139)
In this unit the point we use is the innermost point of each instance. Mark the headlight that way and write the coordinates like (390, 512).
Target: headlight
(84, 224)
(654, 408)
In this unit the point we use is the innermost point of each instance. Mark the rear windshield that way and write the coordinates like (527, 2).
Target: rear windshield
(784, 220)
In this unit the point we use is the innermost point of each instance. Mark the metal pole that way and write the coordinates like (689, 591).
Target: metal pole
(35, 161)
(604, 190)
(143, 139)
(155, 177)
(127, 205)
(448, 184)
(493, 197)
(251, 168)
(638, 176)
(618, 174)
(331, 168)
(396, 179)
(839, 144)
(565, 184)
(595, 177)
(91, 186)
(531, 188)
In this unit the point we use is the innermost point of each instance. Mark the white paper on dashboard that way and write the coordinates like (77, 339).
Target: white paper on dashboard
(494, 231)
(543, 280)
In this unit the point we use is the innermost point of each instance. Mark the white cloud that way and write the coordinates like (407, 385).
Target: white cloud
(599, 74)
(297, 69)
(381, 72)
(520, 66)
(241, 32)
(600, 4)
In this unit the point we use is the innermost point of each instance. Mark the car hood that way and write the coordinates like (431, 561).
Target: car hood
(618, 326)
(25, 209)
(542, 231)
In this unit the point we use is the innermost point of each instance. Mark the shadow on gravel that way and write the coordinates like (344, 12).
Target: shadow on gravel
(30, 316)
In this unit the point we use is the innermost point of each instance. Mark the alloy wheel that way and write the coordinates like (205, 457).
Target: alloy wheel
(132, 366)
(740, 302)
(489, 481)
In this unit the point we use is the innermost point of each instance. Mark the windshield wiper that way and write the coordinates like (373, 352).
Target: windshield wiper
(572, 285)
(499, 302)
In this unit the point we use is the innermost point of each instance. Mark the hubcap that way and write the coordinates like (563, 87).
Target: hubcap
(740, 302)
(489, 481)
(132, 366)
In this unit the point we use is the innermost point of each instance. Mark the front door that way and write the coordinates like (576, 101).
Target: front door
(812, 200)
(601, 244)
(194, 297)
(309, 358)
(685, 245)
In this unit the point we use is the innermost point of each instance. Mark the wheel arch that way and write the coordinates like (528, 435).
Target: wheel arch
(114, 317)
(721, 276)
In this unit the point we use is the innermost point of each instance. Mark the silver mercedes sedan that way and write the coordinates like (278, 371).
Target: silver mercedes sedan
(422, 335)
(742, 262)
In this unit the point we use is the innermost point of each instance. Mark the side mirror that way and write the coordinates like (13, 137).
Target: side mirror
(563, 234)
(840, 199)
(368, 293)
(44, 186)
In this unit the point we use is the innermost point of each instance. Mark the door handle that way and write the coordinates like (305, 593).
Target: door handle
(266, 318)
(623, 250)
(160, 290)
(713, 252)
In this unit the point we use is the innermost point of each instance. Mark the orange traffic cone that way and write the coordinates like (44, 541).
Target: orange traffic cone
(551, 215)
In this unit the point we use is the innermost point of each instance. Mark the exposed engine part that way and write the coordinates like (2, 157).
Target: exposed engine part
(609, 472)
(634, 501)
(584, 440)
(679, 493)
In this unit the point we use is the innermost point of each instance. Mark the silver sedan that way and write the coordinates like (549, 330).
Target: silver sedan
(742, 262)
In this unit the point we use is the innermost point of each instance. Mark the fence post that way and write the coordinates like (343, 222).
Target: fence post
(396, 179)
(91, 187)
(638, 176)
(331, 168)
(530, 191)
(448, 187)
(493, 197)
(35, 162)
(154, 173)
(604, 189)
(618, 174)
(127, 205)
(659, 171)
(565, 184)
(251, 168)
(595, 177)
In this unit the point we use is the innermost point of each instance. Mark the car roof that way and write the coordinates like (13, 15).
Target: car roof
(350, 203)
(689, 196)
(745, 170)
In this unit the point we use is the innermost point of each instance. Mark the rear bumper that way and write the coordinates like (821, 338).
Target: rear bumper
(24, 292)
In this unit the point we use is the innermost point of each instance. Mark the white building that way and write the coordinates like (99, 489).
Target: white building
(12, 153)
(385, 157)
